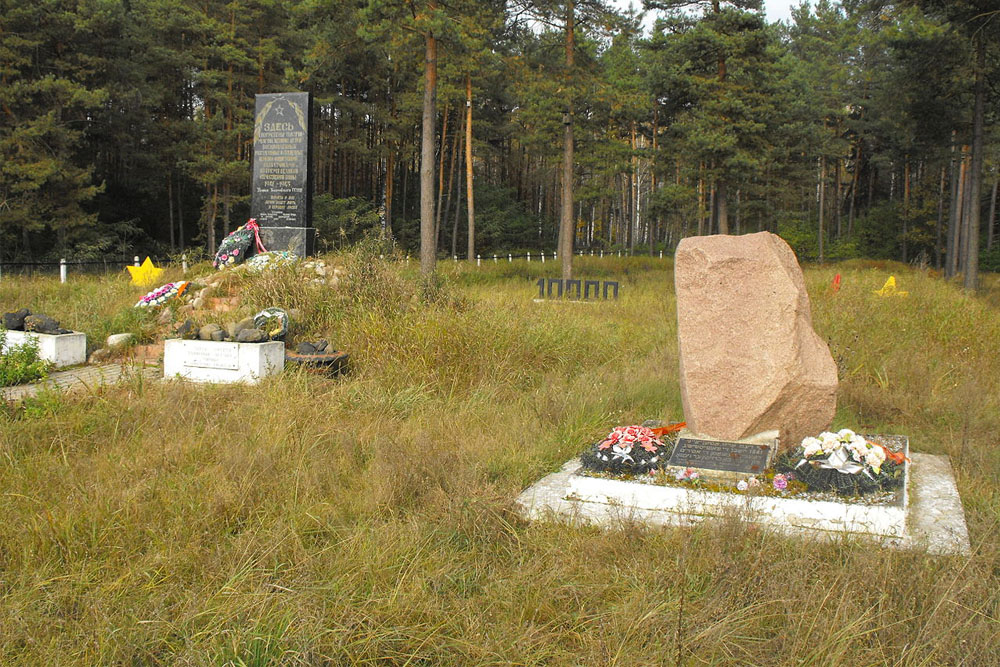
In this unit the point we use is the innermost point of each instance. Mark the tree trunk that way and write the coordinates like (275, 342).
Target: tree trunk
(722, 205)
(390, 168)
(955, 228)
(940, 221)
(906, 207)
(458, 210)
(210, 222)
(455, 146)
(227, 209)
(566, 218)
(976, 177)
(428, 247)
(822, 198)
(838, 195)
(991, 220)
(180, 214)
(633, 189)
(170, 209)
(737, 212)
(855, 177)
(469, 197)
(953, 212)
(444, 143)
(701, 206)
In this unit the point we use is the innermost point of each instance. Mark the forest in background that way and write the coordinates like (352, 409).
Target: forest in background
(857, 129)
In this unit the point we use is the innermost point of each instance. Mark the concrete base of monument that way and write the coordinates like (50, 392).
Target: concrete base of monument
(928, 516)
(62, 350)
(222, 362)
(300, 241)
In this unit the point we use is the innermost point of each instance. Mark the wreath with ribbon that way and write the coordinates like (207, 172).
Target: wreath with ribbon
(239, 245)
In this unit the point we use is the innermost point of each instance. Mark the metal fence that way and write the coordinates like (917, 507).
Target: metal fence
(64, 267)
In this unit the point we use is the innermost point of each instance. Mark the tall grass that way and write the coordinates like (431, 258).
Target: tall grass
(369, 519)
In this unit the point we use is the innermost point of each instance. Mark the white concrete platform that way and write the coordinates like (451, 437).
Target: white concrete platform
(927, 516)
(222, 362)
(80, 379)
(61, 349)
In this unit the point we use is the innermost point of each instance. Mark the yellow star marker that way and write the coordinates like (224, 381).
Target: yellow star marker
(889, 289)
(144, 275)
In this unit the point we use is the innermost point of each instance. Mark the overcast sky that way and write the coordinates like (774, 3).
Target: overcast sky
(776, 10)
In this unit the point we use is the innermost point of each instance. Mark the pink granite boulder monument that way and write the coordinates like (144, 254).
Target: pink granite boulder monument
(749, 358)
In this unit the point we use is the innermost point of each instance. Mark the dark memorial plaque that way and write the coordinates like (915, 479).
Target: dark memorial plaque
(282, 171)
(738, 457)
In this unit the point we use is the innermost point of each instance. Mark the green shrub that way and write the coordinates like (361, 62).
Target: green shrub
(20, 363)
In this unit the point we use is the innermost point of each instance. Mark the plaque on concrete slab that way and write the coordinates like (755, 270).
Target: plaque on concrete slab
(281, 198)
(205, 354)
(730, 457)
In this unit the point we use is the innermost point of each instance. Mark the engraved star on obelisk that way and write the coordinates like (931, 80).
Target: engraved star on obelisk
(146, 274)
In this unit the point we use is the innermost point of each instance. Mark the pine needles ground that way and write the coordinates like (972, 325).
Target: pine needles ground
(370, 518)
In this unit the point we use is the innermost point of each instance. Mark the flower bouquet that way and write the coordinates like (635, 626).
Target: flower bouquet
(161, 295)
(269, 260)
(627, 450)
(844, 462)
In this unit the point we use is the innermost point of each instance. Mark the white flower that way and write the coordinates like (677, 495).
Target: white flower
(859, 447)
(622, 453)
(830, 440)
(742, 485)
(846, 434)
(875, 458)
(811, 446)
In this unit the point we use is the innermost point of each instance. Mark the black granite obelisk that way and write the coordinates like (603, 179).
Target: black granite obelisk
(282, 185)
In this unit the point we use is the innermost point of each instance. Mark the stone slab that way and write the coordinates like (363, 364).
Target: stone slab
(60, 349)
(929, 517)
(281, 193)
(222, 362)
(300, 241)
(83, 378)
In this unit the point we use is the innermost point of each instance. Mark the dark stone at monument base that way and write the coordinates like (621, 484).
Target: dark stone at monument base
(297, 240)
(207, 331)
(307, 348)
(333, 363)
(234, 328)
(251, 336)
(15, 321)
(43, 324)
(186, 329)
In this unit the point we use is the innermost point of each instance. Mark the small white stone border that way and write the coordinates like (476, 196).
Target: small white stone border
(68, 349)
(933, 520)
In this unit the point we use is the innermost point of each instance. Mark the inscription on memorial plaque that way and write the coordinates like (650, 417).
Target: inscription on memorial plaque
(280, 165)
(739, 457)
(205, 354)
(281, 198)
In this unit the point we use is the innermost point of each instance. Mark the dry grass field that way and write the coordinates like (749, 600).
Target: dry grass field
(369, 519)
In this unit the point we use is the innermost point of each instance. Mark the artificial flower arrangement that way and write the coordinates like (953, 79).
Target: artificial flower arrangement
(844, 462)
(630, 450)
(161, 295)
(271, 259)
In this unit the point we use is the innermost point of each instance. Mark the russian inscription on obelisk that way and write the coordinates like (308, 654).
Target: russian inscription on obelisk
(282, 171)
